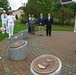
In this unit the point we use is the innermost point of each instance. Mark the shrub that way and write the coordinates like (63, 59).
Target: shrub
(23, 21)
(57, 21)
(67, 22)
(72, 21)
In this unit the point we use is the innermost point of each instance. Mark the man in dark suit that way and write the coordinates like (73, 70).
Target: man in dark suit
(28, 23)
(49, 22)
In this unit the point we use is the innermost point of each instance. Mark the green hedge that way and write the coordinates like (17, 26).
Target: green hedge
(67, 22)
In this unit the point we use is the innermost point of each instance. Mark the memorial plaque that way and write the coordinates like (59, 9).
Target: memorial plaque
(17, 44)
(45, 64)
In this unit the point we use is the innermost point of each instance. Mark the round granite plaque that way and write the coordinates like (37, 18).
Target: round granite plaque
(17, 44)
(45, 64)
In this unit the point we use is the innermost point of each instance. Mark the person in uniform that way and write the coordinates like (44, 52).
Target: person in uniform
(41, 22)
(11, 22)
(1, 30)
(4, 20)
(49, 22)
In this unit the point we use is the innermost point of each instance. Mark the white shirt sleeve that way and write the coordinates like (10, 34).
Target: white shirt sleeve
(14, 18)
(7, 18)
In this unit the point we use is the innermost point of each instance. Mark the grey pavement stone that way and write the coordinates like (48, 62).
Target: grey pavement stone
(59, 44)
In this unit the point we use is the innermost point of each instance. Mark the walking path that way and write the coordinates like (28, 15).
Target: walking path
(61, 44)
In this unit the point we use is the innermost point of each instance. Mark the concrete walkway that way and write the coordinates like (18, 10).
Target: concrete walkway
(61, 44)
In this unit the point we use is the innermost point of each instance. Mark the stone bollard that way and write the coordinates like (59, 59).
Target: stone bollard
(16, 37)
(46, 65)
(18, 50)
(25, 34)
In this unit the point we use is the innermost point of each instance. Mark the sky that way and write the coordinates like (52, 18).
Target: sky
(15, 4)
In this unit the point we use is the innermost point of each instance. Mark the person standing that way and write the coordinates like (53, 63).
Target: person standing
(28, 23)
(32, 24)
(2, 30)
(49, 22)
(11, 22)
(4, 20)
(41, 22)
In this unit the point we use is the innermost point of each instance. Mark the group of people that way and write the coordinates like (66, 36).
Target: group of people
(8, 22)
(31, 24)
(41, 22)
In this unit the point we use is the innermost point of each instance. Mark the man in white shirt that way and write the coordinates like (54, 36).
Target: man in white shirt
(4, 20)
(11, 22)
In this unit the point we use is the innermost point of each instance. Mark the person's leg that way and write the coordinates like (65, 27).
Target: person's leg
(7, 30)
(49, 31)
(12, 29)
(46, 30)
(6, 27)
(42, 30)
(29, 29)
(9, 27)
(39, 30)
(3, 26)
(34, 29)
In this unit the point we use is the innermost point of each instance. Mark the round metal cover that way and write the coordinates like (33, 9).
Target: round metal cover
(45, 64)
(17, 44)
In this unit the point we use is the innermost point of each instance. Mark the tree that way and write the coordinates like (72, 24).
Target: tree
(49, 6)
(4, 4)
(37, 6)
(65, 14)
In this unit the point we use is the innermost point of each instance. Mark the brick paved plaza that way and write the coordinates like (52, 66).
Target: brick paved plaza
(61, 44)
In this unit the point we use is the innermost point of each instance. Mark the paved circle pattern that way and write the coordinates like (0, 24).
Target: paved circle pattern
(61, 44)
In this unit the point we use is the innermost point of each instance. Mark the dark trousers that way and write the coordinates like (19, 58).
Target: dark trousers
(48, 30)
(29, 29)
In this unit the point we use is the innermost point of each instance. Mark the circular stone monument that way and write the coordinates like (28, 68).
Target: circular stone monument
(16, 37)
(25, 34)
(18, 50)
(46, 65)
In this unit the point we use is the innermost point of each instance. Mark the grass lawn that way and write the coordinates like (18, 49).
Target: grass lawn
(18, 28)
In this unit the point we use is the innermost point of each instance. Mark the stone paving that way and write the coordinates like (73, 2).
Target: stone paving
(61, 44)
